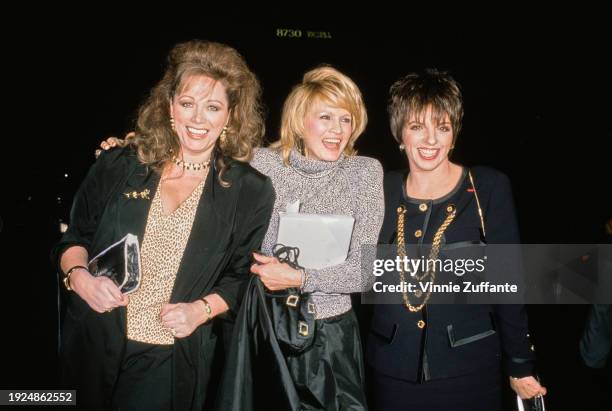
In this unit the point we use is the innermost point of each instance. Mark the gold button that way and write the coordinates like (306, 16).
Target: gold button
(423, 207)
(418, 233)
(450, 208)
(421, 324)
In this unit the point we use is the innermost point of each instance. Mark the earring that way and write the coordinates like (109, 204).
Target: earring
(402, 147)
(172, 123)
(300, 146)
(223, 135)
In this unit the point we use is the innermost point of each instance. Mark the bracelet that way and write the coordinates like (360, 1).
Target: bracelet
(69, 273)
(207, 309)
(303, 281)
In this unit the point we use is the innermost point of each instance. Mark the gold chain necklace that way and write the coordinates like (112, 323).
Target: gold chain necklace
(191, 166)
(451, 212)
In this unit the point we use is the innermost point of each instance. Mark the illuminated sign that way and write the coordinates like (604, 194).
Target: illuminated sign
(298, 33)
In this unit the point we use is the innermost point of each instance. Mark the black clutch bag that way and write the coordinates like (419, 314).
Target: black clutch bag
(121, 263)
(292, 312)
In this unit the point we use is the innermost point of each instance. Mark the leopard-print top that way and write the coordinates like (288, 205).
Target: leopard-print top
(162, 249)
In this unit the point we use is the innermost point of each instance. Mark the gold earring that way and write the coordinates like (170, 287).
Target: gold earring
(223, 135)
(300, 146)
(172, 123)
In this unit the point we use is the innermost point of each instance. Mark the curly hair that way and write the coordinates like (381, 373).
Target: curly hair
(155, 140)
(331, 86)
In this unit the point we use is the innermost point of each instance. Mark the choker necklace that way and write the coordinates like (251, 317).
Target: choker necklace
(191, 166)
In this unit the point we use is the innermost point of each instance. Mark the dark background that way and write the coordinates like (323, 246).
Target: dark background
(537, 107)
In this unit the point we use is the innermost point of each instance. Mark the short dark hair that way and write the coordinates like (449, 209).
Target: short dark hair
(411, 95)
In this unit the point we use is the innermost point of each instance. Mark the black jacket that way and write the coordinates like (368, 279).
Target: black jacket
(452, 339)
(229, 224)
(596, 341)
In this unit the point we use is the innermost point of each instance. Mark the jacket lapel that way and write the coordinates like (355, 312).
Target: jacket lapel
(135, 201)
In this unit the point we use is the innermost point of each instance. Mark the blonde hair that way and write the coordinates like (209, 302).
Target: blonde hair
(325, 84)
(156, 141)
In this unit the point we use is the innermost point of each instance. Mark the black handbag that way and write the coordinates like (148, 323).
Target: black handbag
(292, 311)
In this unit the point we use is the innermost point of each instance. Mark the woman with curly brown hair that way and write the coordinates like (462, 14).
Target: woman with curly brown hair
(183, 187)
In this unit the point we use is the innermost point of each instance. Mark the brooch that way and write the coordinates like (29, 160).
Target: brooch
(144, 194)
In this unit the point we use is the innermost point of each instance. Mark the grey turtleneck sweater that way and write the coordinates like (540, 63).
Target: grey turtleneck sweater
(352, 185)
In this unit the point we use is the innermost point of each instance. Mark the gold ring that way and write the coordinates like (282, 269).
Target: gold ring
(173, 332)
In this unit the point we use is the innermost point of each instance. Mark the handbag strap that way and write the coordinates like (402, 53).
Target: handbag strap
(287, 254)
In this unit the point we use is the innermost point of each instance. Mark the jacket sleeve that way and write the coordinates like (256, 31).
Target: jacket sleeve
(347, 277)
(90, 201)
(502, 228)
(232, 282)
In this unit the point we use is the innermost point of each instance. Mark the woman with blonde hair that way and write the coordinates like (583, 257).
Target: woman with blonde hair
(182, 186)
(314, 163)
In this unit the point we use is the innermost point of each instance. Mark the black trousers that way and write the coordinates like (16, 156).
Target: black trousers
(145, 379)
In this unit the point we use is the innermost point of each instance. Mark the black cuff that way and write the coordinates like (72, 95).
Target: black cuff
(519, 367)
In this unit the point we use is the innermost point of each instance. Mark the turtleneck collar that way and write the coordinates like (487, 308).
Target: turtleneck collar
(310, 167)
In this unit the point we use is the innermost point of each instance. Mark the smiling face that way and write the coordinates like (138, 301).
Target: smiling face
(200, 110)
(327, 130)
(427, 141)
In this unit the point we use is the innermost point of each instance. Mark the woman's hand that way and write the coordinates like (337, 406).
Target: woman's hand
(527, 387)
(183, 318)
(275, 275)
(112, 142)
(100, 293)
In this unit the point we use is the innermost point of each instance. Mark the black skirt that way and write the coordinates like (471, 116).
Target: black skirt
(329, 375)
(260, 375)
(473, 392)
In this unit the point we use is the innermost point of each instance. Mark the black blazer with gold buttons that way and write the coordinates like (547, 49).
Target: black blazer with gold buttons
(448, 340)
(229, 224)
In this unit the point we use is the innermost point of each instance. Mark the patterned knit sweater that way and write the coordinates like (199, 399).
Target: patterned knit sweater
(352, 185)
